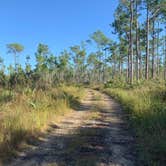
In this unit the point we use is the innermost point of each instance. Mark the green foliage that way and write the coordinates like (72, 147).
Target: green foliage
(6, 96)
(115, 83)
(41, 57)
(3, 79)
(100, 38)
(15, 48)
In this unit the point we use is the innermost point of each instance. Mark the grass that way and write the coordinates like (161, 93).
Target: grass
(97, 98)
(5, 96)
(94, 115)
(146, 105)
(28, 114)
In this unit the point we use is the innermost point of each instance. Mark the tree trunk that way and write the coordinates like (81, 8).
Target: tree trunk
(128, 67)
(164, 64)
(147, 45)
(131, 42)
(153, 51)
(158, 58)
(120, 69)
(165, 55)
(138, 56)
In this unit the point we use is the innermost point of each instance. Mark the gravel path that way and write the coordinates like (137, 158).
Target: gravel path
(94, 135)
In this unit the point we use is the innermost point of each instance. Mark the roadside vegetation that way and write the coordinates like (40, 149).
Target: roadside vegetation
(146, 108)
(25, 115)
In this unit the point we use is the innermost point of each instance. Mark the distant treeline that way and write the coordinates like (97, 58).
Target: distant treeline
(139, 53)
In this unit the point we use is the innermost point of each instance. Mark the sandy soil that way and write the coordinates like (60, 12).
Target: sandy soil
(96, 134)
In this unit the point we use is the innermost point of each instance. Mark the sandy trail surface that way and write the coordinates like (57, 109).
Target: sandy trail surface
(96, 134)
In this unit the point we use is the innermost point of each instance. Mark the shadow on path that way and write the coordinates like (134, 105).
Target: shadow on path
(82, 141)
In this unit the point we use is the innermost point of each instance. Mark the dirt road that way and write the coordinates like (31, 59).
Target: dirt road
(94, 135)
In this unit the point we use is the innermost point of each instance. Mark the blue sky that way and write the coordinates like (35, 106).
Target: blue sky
(57, 23)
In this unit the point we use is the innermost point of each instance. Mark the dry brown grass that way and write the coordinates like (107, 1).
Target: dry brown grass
(27, 115)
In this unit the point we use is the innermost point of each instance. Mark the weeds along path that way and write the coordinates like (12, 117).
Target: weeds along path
(94, 135)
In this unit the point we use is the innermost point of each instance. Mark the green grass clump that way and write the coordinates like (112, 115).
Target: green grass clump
(146, 106)
(6, 96)
(29, 113)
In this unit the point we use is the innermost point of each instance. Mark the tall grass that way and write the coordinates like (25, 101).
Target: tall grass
(28, 113)
(146, 106)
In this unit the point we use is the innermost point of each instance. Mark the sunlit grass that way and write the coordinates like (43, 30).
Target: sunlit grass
(95, 115)
(29, 113)
(97, 97)
(147, 107)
